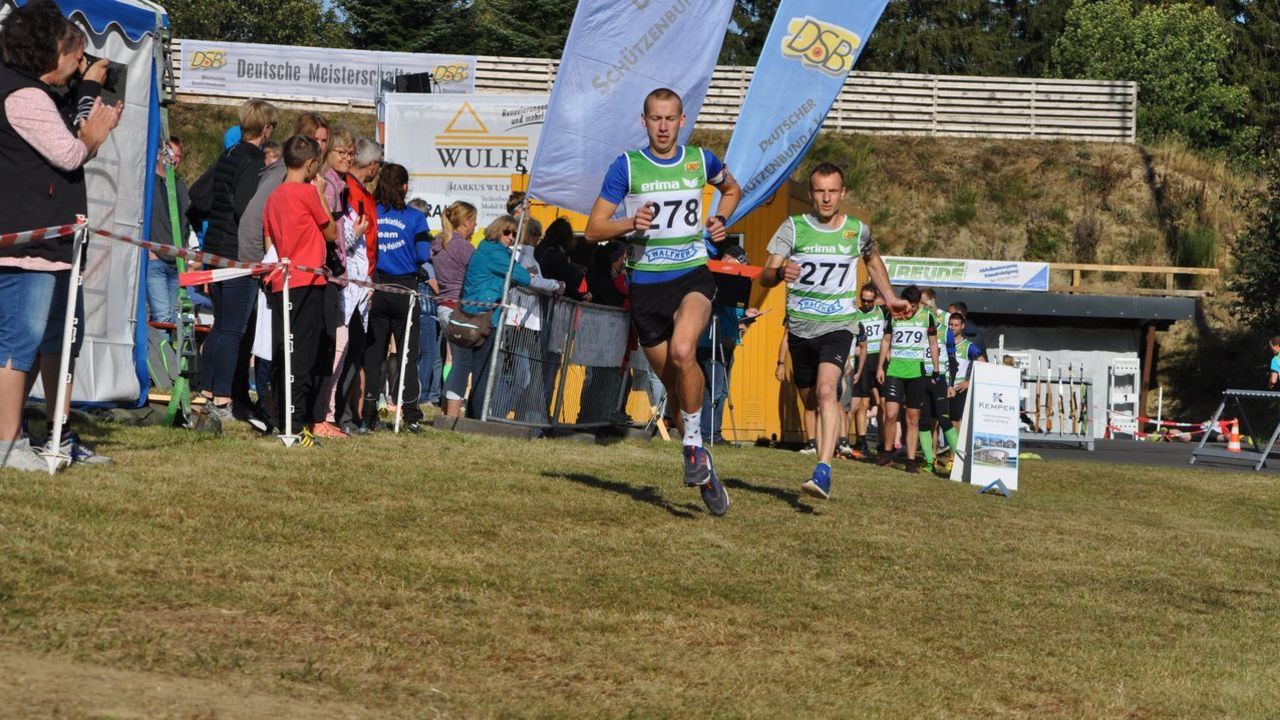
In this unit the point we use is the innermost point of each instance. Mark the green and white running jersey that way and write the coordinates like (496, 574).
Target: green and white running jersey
(909, 344)
(872, 324)
(963, 363)
(674, 240)
(824, 298)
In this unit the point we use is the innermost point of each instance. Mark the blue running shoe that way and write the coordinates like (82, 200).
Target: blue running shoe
(697, 466)
(714, 496)
(819, 485)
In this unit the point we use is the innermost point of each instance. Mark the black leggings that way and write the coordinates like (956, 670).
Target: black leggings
(937, 406)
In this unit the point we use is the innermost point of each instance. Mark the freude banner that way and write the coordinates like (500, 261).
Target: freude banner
(618, 51)
(977, 274)
(462, 147)
(811, 48)
(989, 431)
(283, 71)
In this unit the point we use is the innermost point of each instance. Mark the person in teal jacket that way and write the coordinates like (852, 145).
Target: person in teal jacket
(486, 274)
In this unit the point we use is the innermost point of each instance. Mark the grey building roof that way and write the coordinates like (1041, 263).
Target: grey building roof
(1046, 308)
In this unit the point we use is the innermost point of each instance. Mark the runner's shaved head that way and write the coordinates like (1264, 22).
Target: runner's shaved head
(663, 94)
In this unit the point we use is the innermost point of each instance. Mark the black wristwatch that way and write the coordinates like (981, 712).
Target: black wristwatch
(723, 220)
(780, 271)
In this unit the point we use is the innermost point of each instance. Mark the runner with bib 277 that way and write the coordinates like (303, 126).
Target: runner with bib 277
(660, 190)
(817, 255)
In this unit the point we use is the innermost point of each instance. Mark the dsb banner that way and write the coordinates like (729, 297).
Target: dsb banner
(462, 147)
(975, 274)
(284, 71)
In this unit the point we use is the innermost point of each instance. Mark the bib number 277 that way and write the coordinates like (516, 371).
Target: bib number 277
(827, 268)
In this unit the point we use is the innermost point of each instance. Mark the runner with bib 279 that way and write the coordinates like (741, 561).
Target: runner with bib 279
(817, 254)
(660, 190)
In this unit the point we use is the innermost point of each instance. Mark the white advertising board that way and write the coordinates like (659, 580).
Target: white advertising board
(977, 274)
(463, 147)
(284, 72)
(989, 431)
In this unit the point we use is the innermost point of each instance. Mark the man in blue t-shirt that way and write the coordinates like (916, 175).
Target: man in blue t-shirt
(660, 191)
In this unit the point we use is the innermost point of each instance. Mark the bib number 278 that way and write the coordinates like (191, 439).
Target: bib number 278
(686, 212)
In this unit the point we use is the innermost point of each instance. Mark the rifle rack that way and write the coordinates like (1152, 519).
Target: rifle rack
(1083, 439)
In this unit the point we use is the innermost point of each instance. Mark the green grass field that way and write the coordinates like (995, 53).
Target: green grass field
(461, 576)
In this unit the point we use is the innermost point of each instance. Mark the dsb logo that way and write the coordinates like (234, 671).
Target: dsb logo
(829, 48)
(208, 59)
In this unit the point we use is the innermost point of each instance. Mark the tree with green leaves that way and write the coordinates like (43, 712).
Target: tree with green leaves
(274, 22)
(522, 28)
(748, 30)
(1176, 53)
(1254, 26)
(1256, 276)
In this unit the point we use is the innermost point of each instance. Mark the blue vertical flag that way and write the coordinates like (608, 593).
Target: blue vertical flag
(617, 52)
(812, 47)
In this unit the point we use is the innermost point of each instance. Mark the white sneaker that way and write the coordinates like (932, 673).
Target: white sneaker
(21, 456)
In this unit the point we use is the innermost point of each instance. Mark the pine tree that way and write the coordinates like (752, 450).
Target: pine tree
(442, 26)
(1257, 258)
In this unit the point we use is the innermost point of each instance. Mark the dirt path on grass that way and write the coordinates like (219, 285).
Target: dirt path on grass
(33, 685)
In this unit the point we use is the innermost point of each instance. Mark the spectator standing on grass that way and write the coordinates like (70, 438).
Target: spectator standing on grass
(484, 283)
(252, 246)
(224, 361)
(451, 252)
(297, 223)
(162, 272)
(45, 141)
(1273, 375)
(516, 388)
(553, 255)
(404, 244)
(430, 359)
(270, 152)
(347, 305)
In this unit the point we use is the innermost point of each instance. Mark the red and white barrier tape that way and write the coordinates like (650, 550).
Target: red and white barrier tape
(270, 269)
(26, 236)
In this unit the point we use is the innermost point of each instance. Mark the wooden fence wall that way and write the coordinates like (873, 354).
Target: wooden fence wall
(884, 103)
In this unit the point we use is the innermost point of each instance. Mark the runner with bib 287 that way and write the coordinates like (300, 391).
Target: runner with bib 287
(817, 255)
(660, 190)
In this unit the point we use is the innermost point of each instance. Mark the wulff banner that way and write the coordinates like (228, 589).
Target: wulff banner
(617, 52)
(812, 47)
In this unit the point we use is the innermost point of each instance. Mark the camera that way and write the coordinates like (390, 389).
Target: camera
(110, 83)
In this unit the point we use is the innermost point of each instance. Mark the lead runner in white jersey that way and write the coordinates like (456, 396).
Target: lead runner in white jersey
(671, 288)
(820, 305)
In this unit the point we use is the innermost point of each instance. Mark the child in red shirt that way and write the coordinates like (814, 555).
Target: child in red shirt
(298, 225)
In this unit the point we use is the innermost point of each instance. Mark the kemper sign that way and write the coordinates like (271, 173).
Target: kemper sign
(989, 430)
(979, 274)
(463, 147)
(280, 71)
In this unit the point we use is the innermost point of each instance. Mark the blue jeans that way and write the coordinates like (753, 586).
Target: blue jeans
(162, 291)
(713, 407)
(224, 362)
(430, 359)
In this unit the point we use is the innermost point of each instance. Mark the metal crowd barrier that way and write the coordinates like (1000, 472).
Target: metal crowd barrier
(560, 364)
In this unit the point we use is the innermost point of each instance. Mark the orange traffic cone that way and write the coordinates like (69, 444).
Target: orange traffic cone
(1233, 442)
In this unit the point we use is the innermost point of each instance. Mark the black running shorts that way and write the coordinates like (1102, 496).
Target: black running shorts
(654, 305)
(868, 382)
(808, 353)
(909, 393)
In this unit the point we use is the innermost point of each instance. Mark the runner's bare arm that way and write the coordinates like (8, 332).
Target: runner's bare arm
(777, 269)
(880, 278)
(601, 226)
(730, 194)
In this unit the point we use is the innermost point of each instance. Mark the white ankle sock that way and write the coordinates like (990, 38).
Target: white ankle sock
(692, 427)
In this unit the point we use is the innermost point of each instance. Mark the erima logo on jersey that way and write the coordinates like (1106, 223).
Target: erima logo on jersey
(659, 185)
(691, 183)
(819, 307)
(670, 254)
(827, 249)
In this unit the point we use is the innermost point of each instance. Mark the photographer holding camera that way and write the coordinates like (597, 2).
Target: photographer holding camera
(46, 136)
